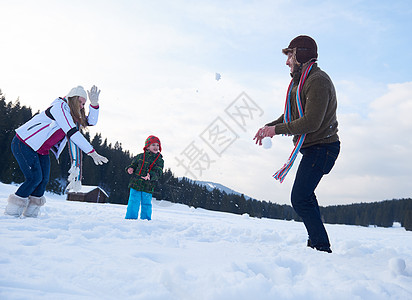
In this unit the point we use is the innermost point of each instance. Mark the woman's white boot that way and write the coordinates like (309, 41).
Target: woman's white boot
(33, 208)
(16, 205)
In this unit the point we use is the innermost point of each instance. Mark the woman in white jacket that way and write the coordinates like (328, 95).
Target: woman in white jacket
(49, 131)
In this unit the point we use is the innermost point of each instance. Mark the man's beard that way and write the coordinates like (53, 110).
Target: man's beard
(297, 72)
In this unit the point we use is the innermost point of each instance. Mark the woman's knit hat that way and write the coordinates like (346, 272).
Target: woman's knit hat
(77, 91)
(306, 48)
(151, 140)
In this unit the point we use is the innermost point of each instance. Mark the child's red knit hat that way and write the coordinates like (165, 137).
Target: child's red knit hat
(151, 140)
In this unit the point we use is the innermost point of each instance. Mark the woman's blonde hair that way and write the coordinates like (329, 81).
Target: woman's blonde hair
(78, 114)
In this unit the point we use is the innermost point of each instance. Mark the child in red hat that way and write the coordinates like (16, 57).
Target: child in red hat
(146, 168)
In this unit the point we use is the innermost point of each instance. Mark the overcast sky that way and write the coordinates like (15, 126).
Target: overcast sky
(156, 63)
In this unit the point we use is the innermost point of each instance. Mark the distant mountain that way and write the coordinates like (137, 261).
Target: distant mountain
(212, 185)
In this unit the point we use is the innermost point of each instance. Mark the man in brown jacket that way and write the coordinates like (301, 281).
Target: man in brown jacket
(310, 116)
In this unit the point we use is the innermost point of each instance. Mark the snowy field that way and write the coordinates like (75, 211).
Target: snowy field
(88, 251)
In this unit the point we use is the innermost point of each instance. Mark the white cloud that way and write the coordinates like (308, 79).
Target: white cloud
(375, 161)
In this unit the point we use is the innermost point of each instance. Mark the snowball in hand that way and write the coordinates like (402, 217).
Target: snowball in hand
(267, 143)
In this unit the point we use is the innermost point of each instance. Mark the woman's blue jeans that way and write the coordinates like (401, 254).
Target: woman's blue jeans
(317, 161)
(35, 168)
(135, 199)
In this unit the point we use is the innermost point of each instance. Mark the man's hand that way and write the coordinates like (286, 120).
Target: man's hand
(259, 136)
(269, 131)
(266, 131)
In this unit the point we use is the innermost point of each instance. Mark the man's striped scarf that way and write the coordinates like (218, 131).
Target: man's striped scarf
(281, 174)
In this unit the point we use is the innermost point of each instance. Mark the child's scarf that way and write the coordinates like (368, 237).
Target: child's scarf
(281, 174)
(75, 172)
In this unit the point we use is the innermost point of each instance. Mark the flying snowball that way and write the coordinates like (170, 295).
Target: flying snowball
(267, 143)
(217, 76)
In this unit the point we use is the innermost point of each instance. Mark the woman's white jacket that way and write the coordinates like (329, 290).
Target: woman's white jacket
(43, 125)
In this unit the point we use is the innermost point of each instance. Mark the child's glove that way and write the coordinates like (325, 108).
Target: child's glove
(97, 158)
(94, 96)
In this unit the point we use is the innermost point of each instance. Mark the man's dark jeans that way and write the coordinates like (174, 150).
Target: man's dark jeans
(35, 167)
(317, 161)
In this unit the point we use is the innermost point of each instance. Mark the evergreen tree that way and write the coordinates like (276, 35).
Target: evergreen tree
(12, 115)
(407, 220)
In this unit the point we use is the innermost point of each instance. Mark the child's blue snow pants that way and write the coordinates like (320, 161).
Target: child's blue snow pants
(135, 199)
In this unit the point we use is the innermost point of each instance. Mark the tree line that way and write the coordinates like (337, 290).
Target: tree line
(114, 180)
(186, 191)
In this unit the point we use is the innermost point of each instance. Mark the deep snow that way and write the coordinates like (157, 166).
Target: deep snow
(80, 250)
